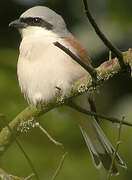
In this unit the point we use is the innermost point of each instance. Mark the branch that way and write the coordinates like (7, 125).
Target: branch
(116, 149)
(89, 113)
(104, 72)
(88, 68)
(59, 167)
(22, 150)
(49, 136)
(108, 44)
(5, 176)
(29, 177)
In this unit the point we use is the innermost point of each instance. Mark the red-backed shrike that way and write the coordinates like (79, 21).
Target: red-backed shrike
(42, 67)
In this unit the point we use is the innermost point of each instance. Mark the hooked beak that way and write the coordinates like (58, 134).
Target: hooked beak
(17, 24)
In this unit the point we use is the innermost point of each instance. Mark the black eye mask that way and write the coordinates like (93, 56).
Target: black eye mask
(36, 21)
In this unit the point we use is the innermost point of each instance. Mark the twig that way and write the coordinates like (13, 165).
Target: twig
(29, 177)
(112, 119)
(4, 175)
(116, 149)
(114, 49)
(49, 136)
(20, 178)
(89, 69)
(21, 148)
(59, 167)
(110, 56)
(92, 106)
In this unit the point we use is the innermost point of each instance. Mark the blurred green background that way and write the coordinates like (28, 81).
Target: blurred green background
(114, 98)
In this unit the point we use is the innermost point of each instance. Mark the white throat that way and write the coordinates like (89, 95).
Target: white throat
(36, 31)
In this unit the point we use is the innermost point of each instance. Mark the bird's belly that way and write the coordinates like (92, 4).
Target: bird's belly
(41, 83)
(41, 73)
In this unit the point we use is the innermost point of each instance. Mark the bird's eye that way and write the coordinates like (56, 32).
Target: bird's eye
(36, 20)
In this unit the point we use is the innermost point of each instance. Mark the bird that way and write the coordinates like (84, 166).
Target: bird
(43, 69)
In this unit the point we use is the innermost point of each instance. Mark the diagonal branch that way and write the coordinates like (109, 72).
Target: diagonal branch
(89, 68)
(4, 175)
(108, 44)
(23, 151)
(49, 136)
(89, 113)
(59, 167)
(116, 149)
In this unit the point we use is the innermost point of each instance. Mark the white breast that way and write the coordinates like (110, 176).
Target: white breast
(42, 67)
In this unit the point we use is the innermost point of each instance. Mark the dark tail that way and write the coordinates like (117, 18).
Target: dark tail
(100, 148)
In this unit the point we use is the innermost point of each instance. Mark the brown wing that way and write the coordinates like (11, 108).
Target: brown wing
(81, 51)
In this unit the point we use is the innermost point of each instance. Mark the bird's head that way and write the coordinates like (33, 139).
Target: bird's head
(40, 19)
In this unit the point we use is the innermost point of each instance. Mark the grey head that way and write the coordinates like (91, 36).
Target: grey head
(44, 17)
